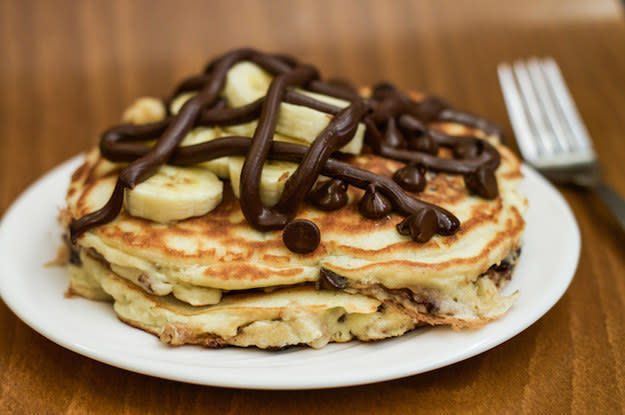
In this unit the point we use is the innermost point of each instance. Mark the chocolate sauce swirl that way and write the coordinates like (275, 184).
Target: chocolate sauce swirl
(397, 128)
(258, 215)
(402, 202)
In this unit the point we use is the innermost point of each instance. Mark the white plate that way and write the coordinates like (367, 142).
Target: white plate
(30, 235)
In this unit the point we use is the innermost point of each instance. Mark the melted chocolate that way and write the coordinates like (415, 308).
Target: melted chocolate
(403, 121)
(423, 143)
(470, 120)
(403, 203)
(330, 280)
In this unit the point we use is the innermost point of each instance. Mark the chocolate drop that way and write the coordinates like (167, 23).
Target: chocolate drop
(384, 110)
(409, 123)
(411, 178)
(423, 143)
(330, 195)
(387, 107)
(392, 136)
(482, 182)
(74, 251)
(329, 280)
(421, 226)
(468, 150)
(301, 236)
(382, 90)
(430, 108)
(374, 205)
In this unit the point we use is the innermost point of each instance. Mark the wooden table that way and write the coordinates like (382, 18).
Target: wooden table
(68, 69)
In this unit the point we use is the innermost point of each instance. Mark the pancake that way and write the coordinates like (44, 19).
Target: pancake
(283, 317)
(216, 280)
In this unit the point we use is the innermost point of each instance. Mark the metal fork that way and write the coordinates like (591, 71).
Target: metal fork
(550, 133)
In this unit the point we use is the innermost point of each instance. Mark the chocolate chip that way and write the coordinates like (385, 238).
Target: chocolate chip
(482, 182)
(330, 195)
(409, 123)
(423, 143)
(421, 226)
(374, 205)
(301, 236)
(382, 90)
(411, 178)
(430, 107)
(392, 136)
(329, 280)
(468, 150)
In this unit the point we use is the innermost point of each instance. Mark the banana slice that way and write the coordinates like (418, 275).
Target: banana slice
(175, 193)
(246, 82)
(246, 130)
(144, 110)
(179, 101)
(201, 135)
(305, 124)
(274, 176)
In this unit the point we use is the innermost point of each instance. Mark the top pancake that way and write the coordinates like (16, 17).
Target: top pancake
(220, 250)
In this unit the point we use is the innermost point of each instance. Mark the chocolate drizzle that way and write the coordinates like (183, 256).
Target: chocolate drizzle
(397, 128)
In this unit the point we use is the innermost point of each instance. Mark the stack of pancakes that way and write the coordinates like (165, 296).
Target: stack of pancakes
(214, 280)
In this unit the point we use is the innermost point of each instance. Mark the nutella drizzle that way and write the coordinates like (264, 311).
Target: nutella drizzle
(396, 127)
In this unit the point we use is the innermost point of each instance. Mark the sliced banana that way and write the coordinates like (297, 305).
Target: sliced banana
(246, 130)
(246, 82)
(180, 100)
(272, 180)
(196, 296)
(305, 124)
(175, 193)
(287, 139)
(144, 110)
(201, 135)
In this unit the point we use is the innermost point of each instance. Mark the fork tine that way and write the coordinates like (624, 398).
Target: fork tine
(553, 118)
(567, 106)
(514, 104)
(532, 107)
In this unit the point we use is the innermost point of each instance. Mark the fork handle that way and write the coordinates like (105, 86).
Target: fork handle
(613, 201)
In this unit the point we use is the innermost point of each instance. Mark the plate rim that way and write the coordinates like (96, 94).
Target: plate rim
(171, 371)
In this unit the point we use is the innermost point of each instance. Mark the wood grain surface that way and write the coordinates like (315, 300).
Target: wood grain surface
(67, 69)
